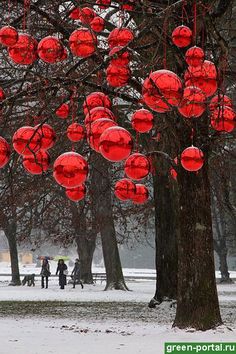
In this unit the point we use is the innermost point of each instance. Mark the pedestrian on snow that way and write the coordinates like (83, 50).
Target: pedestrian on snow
(45, 273)
(76, 274)
(63, 272)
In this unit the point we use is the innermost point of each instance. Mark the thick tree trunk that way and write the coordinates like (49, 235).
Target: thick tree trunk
(225, 276)
(85, 249)
(11, 237)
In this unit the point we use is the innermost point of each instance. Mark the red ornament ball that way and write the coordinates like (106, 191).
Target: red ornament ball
(220, 101)
(182, 36)
(137, 166)
(37, 163)
(24, 51)
(141, 194)
(95, 131)
(142, 120)
(97, 24)
(124, 189)
(119, 57)
(2, 94)
(127, 5)
(192, 159)
(118, 76)
(194, 56)
(115, 144)
(193, 102)
(96, 99)
(70, 169)
(223, 119)
(26, 140)
(98, 113)
(103, 4)
(83, 42)
(47, 135)
(5, 152)
(75, 132)
(63, 111)
(50, 49)
(84, 14)
(76, 194)
(120, 37)
(8, 36)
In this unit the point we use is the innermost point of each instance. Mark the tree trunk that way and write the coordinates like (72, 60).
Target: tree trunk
(85, 249)
(225, 276)
(11, 237)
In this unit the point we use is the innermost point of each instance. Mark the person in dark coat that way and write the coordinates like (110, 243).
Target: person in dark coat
(62, 270)
(45, 273)
(76, 274)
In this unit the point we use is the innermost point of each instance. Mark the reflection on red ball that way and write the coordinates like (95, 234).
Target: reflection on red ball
(223, 119)
(124, 189)
(26, 140)
(47, 134)
(84, 14)
(76, 194)
(120, 37)
(192, 159)
(83, 42)
(97, 24)
(50, 49)
(63, 111)
(119, 57)
(24, 51)
(182, 36)
(117, 76)
(98, 113)
(96, 99)
(192, 103)
(95, 131)
(103, 4)
(137, 166)
(8, 36)
(142, 120)
(5, 152)
(219, 101)
(37, 163)
(141, 194)
(75, 132)
(194, 56)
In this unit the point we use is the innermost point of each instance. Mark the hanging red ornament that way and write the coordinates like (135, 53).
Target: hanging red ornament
(97, 24)
(75, 132)
(161, 90)
(192, 159)
(118, 76)
(115, 144)
(70, 169)
(137, 166)
(141, 194)
(63, 111)
(119, 57)
(97, 113)
(5, 152)
(50, 49)
(24, 51)
(127, 5)
(173, 172)
(192, 103)
(95, 131)
(142, 120)
(8, 36)
(182, 36)
(194, 56)
(76, 194)
(26, 140)
(223, 119)
(96, 99)
(2, 95)
(84, 14)
(103, 4)
(47, 134)
(124, 189)
(37, 163)
(219, 101)
(83, 42)
(120, 37)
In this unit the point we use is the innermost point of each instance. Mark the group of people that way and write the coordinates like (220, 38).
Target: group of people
(62, 272)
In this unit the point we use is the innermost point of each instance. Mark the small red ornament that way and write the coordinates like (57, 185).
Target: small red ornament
(142, 120)
(141, 194)
(137, 166)
(37, 163)
(97, 24)
(47, 134)
(127, 5)
(182, 36)
(219, 101)
(84, 14)
(96, 99)
(120, 37)
(26, 140)
(75, 132)
(50, 49)
(192, 159)
(8, 36)
(118, 76)
(194, 56)
(173, 172)
(193, 102)
(2, 95)
(63, 111)
(83, 42)
(5, 152)
(119, 57)
(97, 113)
(124, 189)
(103, 4)
(223, 119)
(95, 131)
(76, 194)
(115, 144)
(70, 169)
(24, 51)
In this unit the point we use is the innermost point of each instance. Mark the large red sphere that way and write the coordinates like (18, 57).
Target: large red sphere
(84, 14)
(97, 24)
(219, 101)
(194, 56)
(192, 103)
(103, 4)
(50, 49)
(70, 169)
(95, 131)
(96, 99)
(75, 132)
(26, 141)
(141, 194)
(76, 194)
(161, 90)
(47, 134)
(8, 36)
(37, 163)
(97, 113)
(137, 166)
(124, 189)
(142, 120)
(118, 76)
(120, 37)
(63, 111)
(83, 42)
(182, 36)
(115, 144)
(24, 51)
(192, 159)
(119, 57)
(5, 152)
(2, 94)
(223, 119)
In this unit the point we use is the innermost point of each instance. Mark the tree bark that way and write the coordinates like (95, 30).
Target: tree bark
(10, 232)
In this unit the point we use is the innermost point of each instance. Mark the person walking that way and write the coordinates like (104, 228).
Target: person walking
(63, 272)
(76, 274)
(45, 273)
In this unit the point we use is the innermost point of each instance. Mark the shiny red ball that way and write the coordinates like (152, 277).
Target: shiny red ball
(223, 119)
(137, 166)
(142, 120)
(5, 152)
(50, 49)
(95, 131)
(83, 42)
(120, 37)
(119, 57)
(118, 76)
(76, 194)
(219, 101)
(141, 194)
(24, 51)
(192, 103)
(8, 36)
(182, 36)
(97, 24)
(26, 140)
(103, 4)
(194, 56)
(47, 134)
(75, 132)
(127, 5)
(84, 14)
(63, 111)
(97, 113)
(124, 189)
(96, 99)
(37, 163)
(192, 159)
